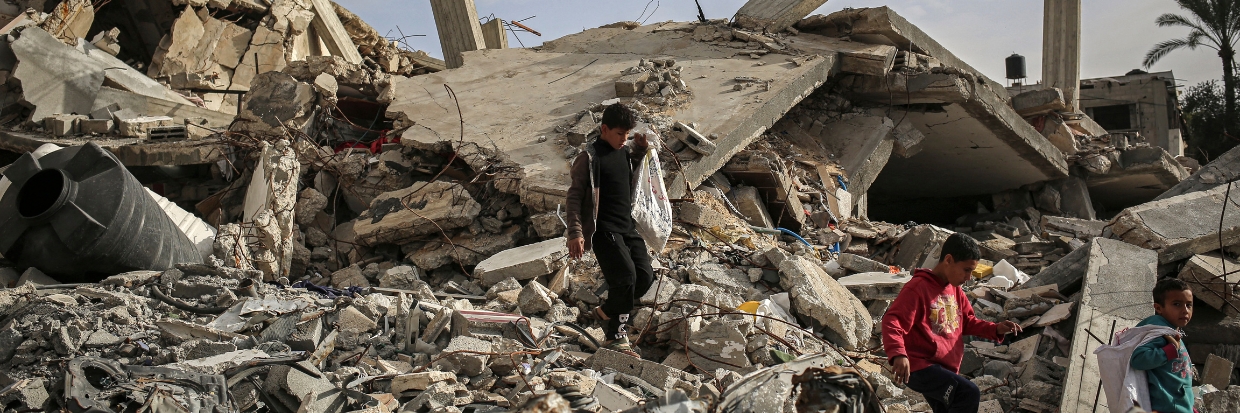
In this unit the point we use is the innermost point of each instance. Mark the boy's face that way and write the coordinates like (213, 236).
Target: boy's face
(1177, 307)
(957, 272)
(614, 136)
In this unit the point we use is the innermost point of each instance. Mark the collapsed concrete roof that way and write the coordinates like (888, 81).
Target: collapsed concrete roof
(511, 98)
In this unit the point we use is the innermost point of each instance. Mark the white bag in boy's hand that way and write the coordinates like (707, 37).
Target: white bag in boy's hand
(1123, 385)
(652, 212)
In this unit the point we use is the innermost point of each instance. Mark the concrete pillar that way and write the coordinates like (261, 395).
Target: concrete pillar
(459, 31)
(494, 34)
(774, 16)
(1061, 48)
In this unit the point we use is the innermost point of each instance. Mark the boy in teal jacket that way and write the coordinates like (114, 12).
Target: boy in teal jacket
(1165, 360)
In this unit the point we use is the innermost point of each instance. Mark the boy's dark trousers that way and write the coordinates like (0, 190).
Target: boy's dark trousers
(626, 268)
(945, 392)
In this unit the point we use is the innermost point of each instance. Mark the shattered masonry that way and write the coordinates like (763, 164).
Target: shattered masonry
(346, 234)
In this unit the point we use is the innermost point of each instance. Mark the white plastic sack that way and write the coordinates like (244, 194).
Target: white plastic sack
(1006, 270)
(1122, 384)
(652, 212)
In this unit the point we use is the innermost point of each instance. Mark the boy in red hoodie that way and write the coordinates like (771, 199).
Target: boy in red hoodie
(923, 330)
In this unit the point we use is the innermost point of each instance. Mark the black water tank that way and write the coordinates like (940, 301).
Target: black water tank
(78, 215)
(1015, 66)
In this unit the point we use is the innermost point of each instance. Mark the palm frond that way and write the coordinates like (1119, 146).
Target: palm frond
(1161, 50)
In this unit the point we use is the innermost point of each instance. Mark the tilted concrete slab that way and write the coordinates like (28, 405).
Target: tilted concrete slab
(968, 123)
(968, 128)
(1115, 296)
(1181, 226)
(1141, 175)
(882, 25)
(130, 151)
(1223, 169)
(510, 97)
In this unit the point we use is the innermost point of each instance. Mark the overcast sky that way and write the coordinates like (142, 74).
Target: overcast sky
(1116, 33)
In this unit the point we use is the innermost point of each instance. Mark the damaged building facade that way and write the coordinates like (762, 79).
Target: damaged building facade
(339, 224)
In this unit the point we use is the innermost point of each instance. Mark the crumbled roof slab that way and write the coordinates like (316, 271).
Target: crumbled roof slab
(511, 97)
(1221, 170)
(1142, 174)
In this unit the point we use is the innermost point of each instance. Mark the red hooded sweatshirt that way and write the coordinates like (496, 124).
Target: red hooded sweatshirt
(927, 321)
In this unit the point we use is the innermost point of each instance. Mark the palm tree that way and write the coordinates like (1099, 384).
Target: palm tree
(1214, 24)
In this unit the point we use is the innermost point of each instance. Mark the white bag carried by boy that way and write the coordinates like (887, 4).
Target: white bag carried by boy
(652, 212)
(1123, 385)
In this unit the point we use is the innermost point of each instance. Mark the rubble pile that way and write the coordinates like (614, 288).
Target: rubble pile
(357, 258)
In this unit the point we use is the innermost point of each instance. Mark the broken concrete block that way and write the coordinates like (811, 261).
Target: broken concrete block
(420, 381)
(401, 216)
(326, 85)
(819, 297)
(1223, 169)
(61, 125)
(523, 263)
(693, 139)
(35, 277)
(707, 212)
(658, 375)
(1056, 314)
(720, 344)
(352, 319)
(749, 202)
(857, 263)
(727, 280)
(402, 277)
(872, 60)
(309, 202)
(108, 41)
(30, 394)
(469, 364)
(1039, 102)
(1210, 284)
(95, 126)
(631, 85)
(1217, 372)
(141, 127)
(920, 247)
(350, 276)
(1108, 301)
(1060, 135)
(534, 299)
(1224, 400)
(907, 140)
(275, 101)
(1180, 226)
(774, 16)
(48, 66)
(875, 285)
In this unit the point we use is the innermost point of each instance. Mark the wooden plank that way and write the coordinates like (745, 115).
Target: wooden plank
(329, 28)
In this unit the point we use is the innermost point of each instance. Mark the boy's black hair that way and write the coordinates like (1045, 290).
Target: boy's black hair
(961, 247)
(1168, 284)
(619, 116)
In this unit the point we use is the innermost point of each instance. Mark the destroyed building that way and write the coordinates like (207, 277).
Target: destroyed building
(1139, 103)
(339, 224)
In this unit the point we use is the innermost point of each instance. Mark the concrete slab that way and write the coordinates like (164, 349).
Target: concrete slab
(523, 263)
(967, 128)
(55, 78)
(1115, 296)
(509, 97)
(1211, 284)
(882, 25)
(1141, 175)
(1223, 169)
(875, 285)
(400, 216)
(820, 298)
(1181, 226)
(1217, 372)
(774, 16)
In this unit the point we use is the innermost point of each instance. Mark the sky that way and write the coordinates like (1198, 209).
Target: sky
(1116, 34)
